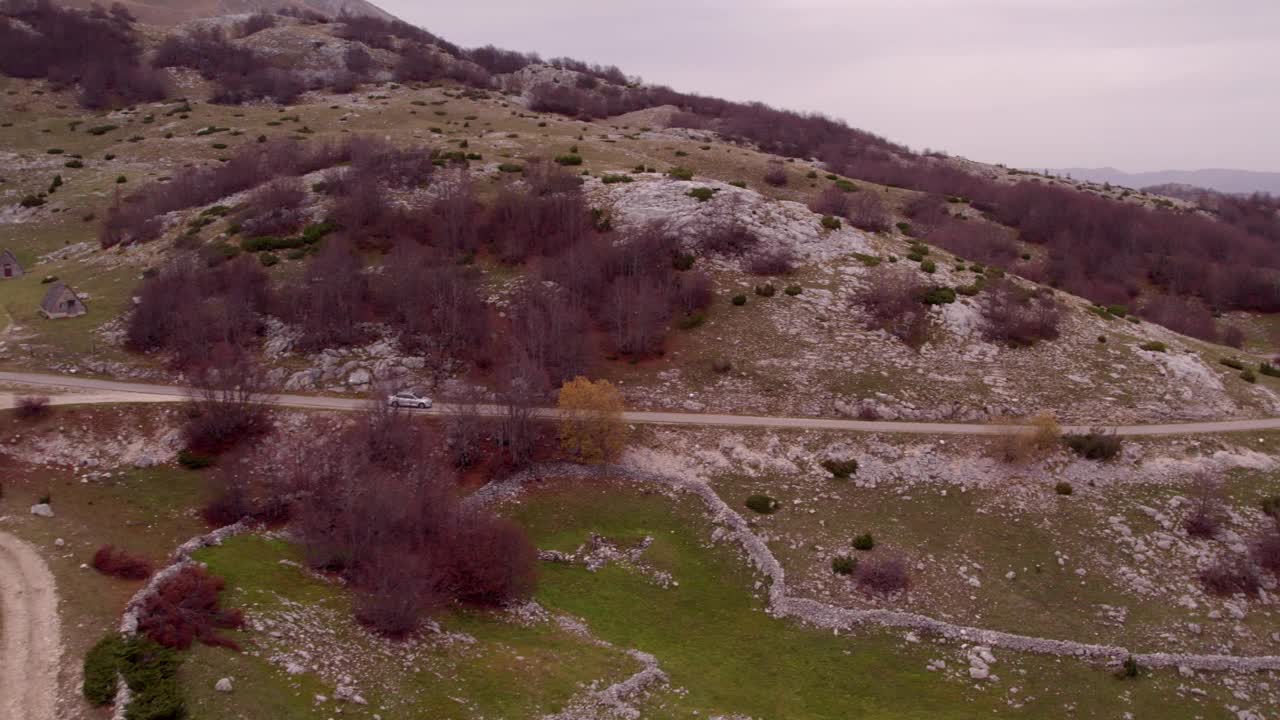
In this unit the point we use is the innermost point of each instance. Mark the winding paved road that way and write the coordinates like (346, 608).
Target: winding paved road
(93, 391)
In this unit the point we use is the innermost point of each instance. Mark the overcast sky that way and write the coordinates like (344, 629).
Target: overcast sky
(1135, 84)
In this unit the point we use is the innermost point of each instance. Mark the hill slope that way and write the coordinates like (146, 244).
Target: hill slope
(176, 12)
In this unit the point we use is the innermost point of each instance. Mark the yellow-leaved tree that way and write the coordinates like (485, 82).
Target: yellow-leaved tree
(591, 427)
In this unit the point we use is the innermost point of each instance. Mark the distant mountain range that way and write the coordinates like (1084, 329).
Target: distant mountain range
(1222, 180)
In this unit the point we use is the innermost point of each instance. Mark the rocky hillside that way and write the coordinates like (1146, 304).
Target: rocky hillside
(176, 12)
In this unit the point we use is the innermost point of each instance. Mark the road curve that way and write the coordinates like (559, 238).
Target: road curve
(112, 391)
(30, 641)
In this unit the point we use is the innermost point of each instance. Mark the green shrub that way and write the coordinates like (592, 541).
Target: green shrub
(1118, 310)
(840, 469)
(766, 290)
(739, 184)
(1232, 363)
(793, 290)
(122, 180)
(844, 565)
(1248, 376)
(615, 179)
(762, 504)
(848, 186)
(739, 300)
(151, 672)
(683, 261)
(1095, 445)
(695, 320)
(269, 259)
(1271, 506)
(32, 201)
(864, 542)
(1063, 488)
(510, 168)
(1154, 346)
(830, 222)
(812, 175)
(74, 164)
(55, 151)
(1266, 368)
(194, 460)
(1102, 339)
(929, 266)
(680, 173)
(569, 160)
(904, 228)
(721, 365)
(101, 669)
(219, 146)
(102, 129)
(868, 260)
(914, 256)
(939, 296)
(702, 194)
(1130, 668)
(681, 153)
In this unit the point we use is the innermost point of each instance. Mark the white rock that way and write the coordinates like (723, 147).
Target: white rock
(223, 685)
(59, 542)
(42, 510)
(979, 673)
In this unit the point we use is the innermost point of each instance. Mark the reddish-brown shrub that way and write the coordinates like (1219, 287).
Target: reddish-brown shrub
(775, 261)
(1266, 551)
(882, 574)
(831, 201)
(99, 51)
(493, 560)
(1188, 317)
(118, 563)
(187, 309)
(1230, 577)
(1017, 316)
(256, 23)
(866, 210)
(976, 240)
(274, 208)
(136, 218)
(376, 505)
(1233, 336)
(32, 407)
(893, 303)
(184, 608)
(1204, 518)
(228, 405)
(776, 174)
(333, 299)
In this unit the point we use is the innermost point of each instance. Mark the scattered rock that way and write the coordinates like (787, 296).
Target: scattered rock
(223, 685)
(42, 510)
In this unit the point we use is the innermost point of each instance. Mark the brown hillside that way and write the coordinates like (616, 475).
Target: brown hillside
(175, 12)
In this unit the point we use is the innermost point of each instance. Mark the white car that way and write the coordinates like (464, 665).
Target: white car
(409, 400)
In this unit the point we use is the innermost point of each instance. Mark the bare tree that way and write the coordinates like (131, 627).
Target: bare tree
(522, 387)
(228, 402)
(893, 303)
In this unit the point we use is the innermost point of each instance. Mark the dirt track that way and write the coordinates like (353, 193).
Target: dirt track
(30, 642)
(92, 391)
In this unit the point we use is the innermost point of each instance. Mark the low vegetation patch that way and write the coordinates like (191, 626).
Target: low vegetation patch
(109, 560)
(1095, 445)
(840, 469)
(762, 504)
